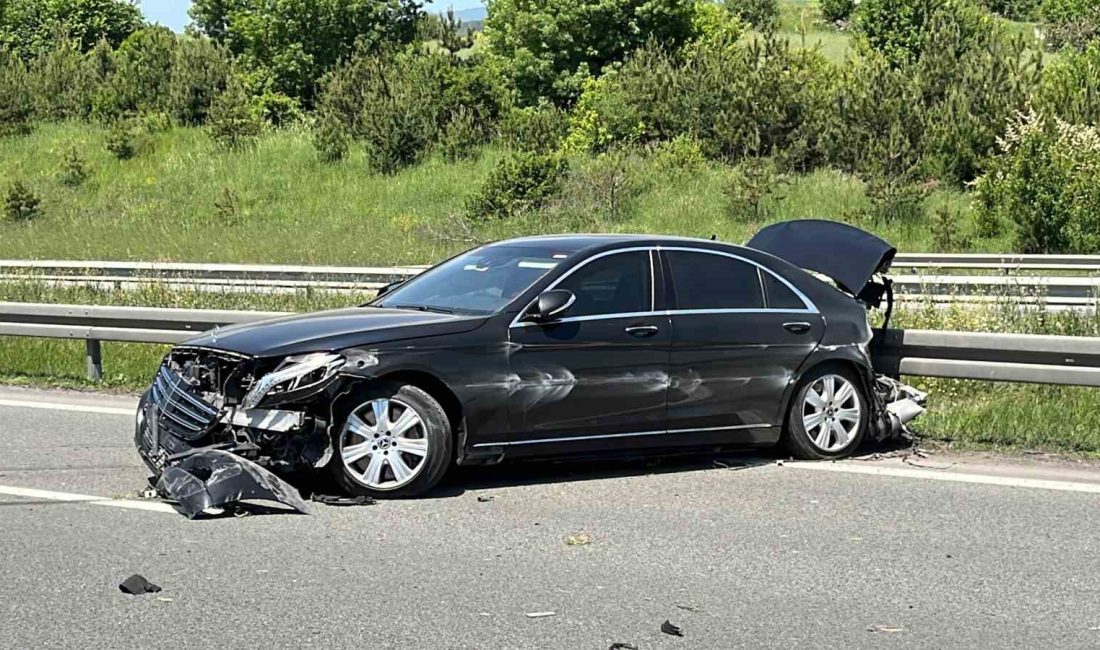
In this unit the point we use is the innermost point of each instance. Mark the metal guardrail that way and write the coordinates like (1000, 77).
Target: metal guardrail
(1064, 360)
(1052, 291)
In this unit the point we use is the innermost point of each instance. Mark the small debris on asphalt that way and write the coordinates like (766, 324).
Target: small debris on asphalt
(886, 629)
(340, 500)
(163, 599)
(149, 493)
(540, 614)
(779, 463)
(618, 645)
(483, 499)
(670, 628)
(690, 608)
(136, 585)
(577, 539)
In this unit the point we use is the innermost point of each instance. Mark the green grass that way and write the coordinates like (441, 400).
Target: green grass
(161, 205)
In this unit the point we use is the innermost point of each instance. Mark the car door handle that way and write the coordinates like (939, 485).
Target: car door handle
(797, 328)
(642, 331)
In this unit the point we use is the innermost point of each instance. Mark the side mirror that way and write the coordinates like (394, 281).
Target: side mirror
(551, 305)
(389, 287)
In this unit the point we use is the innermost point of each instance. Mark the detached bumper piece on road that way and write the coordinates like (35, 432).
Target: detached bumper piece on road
(210, 478)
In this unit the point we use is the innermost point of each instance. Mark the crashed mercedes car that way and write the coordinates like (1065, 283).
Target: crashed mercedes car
(571, 345)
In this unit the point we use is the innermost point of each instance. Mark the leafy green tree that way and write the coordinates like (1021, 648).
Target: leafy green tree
(290, 44)
(551, 46)
(900, 30)
(28, 26)
(1070, 88)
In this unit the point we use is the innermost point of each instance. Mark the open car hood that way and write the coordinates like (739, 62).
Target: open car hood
(844, 253)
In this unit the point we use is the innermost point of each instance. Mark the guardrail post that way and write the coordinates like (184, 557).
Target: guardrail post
(93, 359)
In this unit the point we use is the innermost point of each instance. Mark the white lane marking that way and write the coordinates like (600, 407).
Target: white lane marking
(31, 493)
(944, 475)
(78, 408)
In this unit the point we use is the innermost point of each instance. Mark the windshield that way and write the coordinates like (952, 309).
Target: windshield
(482, 281)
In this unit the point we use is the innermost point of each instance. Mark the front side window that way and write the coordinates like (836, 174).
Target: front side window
(619, 283)
(479, 282)
(708, 281)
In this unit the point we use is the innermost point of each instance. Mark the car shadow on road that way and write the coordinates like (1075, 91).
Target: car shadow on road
(515, 473)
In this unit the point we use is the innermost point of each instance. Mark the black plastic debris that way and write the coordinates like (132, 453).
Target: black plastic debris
(668, 627)
(484, 499)
(136, 585)
(338, 500)
(212, 477)
(622, 646)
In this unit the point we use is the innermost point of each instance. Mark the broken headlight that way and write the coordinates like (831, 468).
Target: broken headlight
(296, 374)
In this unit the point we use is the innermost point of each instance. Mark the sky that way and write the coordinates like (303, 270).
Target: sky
(173, 13)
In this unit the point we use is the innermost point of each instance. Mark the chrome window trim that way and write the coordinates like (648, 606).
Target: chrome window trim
(811, 308)
(661, 432)
(553, 285)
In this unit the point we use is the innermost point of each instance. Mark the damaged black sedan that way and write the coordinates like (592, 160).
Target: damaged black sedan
(557, 346)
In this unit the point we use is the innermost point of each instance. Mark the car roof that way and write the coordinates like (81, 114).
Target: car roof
(585, 242)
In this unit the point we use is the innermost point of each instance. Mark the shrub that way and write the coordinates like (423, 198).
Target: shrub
(895, 199)
(143, 71)
(21, 203)
(540, 128)
(232, 122)
(62, 81)
(122, 138)
(837, 10)
(227, 207)
(16, 108)
(547, 49)
(1070, 88)
(1046, 181)
(763, 98)
(900, 29)
(1071, 23)
(73, 170)
(517, 185)
(461, 135)
(761, 14)
(29, 25)
(1014, 9)
(200, 71)
(947, 236)
(277, 109)
(752, 189)
(330, 137)
(682, 155)
(599, 190)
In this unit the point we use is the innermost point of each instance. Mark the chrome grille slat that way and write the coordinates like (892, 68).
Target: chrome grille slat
(180, 412)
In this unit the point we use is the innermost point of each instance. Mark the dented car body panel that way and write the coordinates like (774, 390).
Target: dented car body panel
(645, 355)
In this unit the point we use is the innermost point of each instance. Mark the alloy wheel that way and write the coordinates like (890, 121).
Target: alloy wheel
(384, 444)
(831, 413)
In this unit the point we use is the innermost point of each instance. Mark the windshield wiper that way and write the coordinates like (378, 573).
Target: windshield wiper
(431, 308)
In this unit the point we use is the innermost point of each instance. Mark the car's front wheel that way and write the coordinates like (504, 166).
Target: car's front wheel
(828, 415)
(396, 443)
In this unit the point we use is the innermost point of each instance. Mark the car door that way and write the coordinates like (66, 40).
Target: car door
(740, 333)
(598, 374)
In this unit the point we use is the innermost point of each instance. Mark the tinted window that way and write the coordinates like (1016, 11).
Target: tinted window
(705, 281)
(779, 295)
(613, 284)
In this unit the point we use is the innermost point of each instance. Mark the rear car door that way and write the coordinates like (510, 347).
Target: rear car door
(599, 374)
(740, 333)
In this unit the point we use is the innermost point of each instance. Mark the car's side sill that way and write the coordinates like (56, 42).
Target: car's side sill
(538, 441)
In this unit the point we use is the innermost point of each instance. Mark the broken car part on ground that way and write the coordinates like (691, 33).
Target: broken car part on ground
(561, 346)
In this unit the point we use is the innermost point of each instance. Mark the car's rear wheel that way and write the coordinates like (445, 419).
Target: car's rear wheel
(396, 442)
(828, 415)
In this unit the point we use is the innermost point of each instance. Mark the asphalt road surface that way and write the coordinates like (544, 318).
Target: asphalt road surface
(987, 553)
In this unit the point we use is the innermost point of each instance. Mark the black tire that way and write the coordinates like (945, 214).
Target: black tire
(798, 441)
(436, 429)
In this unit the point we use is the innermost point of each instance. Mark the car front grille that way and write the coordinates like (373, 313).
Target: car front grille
(181, 412)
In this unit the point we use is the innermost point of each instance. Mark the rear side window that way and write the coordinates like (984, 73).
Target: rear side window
(706, 281)
(780, 295)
